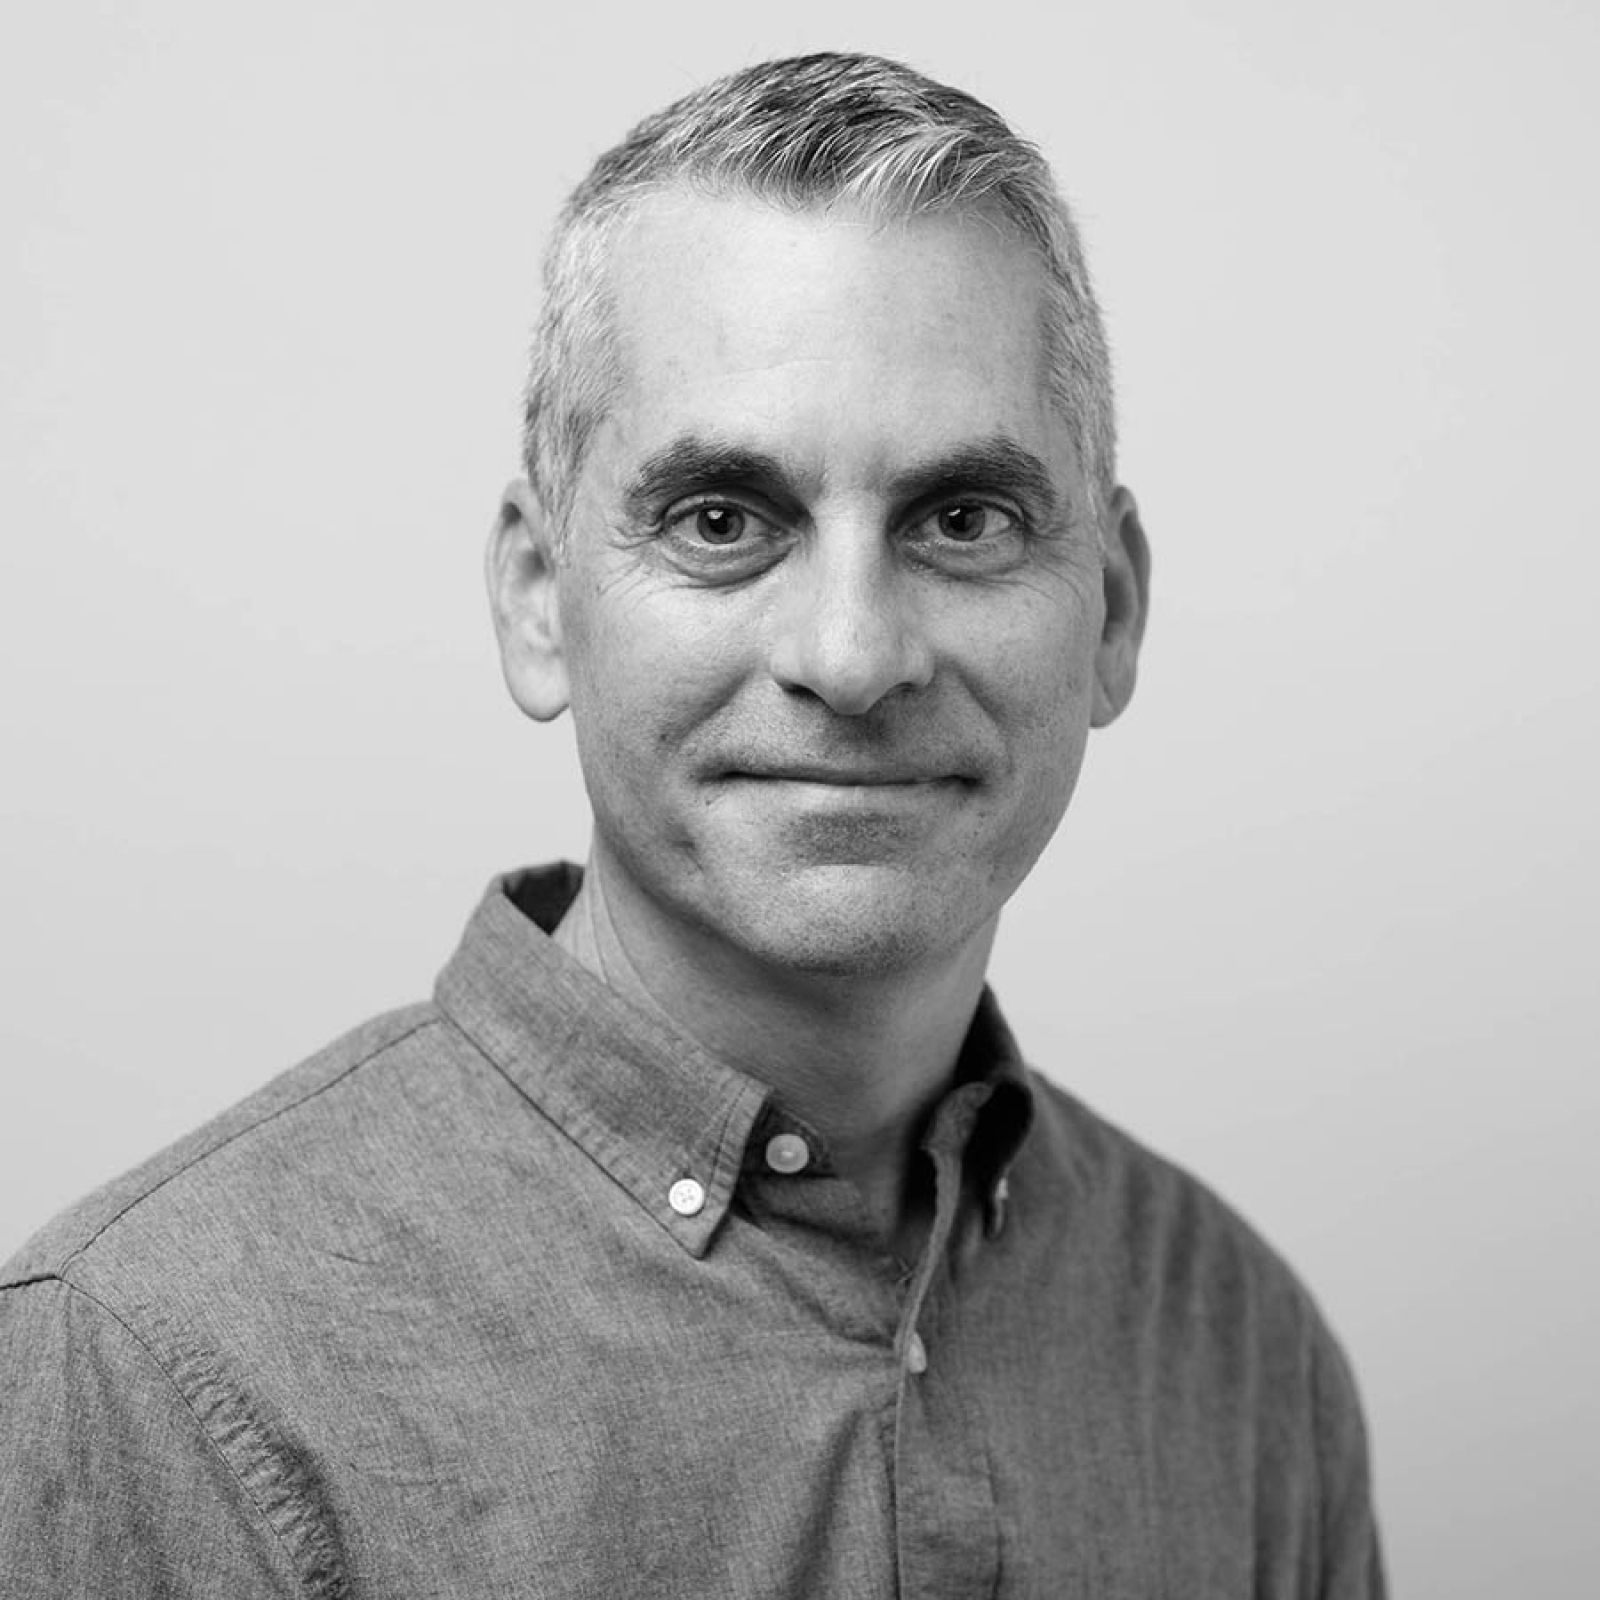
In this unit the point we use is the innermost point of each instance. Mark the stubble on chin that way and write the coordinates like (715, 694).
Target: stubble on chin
(844, 921)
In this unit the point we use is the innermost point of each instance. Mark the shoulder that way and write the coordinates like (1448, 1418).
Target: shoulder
(282, 1147)
(1192, 1306)
(1169, 1242)
(141, 1332)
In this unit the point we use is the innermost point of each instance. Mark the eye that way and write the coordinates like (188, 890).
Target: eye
(714, 525)
(967, 521)
(720, 525)
(970, 537)
(720, 538)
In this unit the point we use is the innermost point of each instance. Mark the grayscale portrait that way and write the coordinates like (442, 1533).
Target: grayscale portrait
(795, 751)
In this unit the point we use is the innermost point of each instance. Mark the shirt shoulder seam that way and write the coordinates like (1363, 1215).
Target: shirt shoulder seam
(238, 1133)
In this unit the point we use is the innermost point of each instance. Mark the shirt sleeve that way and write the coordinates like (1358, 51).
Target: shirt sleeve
(1352, 1563)
(109, 1486)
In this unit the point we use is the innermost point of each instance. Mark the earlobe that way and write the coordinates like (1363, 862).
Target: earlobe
(521, 568)
(1126, 575)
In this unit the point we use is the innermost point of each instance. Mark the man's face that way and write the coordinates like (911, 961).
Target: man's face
(830, 605)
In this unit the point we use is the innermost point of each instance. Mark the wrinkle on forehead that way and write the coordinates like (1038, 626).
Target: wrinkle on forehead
(746, 285)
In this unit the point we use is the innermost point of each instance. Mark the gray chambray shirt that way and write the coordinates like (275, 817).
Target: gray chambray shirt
(519, 1294)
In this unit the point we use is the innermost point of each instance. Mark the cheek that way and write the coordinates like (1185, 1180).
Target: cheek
(609, 678)
(644, 674)
(1042, 673)
(1043, 686)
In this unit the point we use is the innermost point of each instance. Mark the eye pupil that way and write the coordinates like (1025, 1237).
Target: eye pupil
(720, 524)
(963, 522)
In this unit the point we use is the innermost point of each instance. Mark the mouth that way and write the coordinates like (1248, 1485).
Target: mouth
(867, 810)
(890, 794)
(848, 777)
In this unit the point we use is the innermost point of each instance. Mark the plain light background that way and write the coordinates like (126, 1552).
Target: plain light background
(1321, 923)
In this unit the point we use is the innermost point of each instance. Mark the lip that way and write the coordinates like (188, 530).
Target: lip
(877, 777)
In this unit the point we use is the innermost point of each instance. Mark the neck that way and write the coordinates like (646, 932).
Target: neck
(860, 1058)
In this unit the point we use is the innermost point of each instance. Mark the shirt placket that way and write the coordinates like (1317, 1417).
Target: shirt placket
(947, 1531)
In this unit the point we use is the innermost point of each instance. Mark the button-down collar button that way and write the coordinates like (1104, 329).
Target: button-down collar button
(686, 1197)
(787, 1153)
(916, 1356)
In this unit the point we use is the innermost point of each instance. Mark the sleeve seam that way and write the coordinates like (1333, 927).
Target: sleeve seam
(279, 1543)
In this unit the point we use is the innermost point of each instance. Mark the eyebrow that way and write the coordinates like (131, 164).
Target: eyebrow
(993, 463)
(690, 464)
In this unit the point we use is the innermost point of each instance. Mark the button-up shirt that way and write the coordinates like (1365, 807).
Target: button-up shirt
(521, 1293)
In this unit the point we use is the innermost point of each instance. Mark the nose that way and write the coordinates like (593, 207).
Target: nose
(847, 630)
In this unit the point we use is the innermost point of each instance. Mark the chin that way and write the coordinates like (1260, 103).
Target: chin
(851, 921)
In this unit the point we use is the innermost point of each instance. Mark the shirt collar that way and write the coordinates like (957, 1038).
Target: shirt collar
(987, 1114)
(668, 1121)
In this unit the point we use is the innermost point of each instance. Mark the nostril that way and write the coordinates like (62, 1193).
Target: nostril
(852, 677)
(846, 631)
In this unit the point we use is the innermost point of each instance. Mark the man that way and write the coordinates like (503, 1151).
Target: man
(705, 1235)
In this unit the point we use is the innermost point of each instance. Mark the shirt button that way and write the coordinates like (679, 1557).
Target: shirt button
(787, 1152)
(916, 1356)
(686, 1197)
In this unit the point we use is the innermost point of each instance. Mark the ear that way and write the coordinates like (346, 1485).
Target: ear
(521, 568)
(1126, 575)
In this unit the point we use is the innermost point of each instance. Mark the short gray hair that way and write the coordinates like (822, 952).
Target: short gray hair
(807, 131)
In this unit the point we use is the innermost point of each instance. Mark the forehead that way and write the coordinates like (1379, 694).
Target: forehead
(824, 334)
